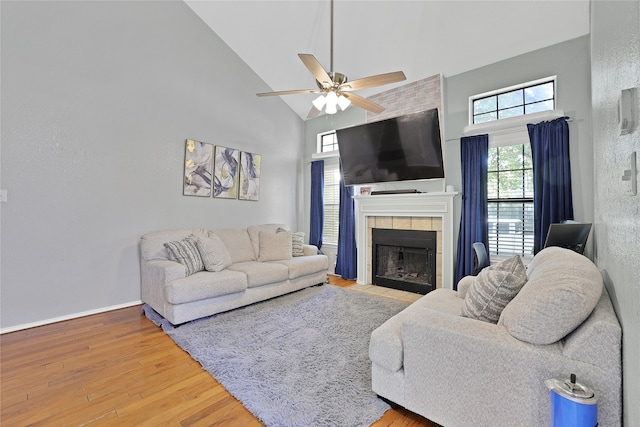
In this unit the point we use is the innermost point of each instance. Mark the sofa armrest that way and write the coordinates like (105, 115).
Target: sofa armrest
(464, 284)
(309, 250)
(154, 274)
(453, 362)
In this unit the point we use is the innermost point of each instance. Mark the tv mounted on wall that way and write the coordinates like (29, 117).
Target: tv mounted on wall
(403, 148)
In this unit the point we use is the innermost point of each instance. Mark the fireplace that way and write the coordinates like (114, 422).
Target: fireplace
(404, 259)
(419, 211)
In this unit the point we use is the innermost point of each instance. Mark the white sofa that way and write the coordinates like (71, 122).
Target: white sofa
(257, 271)
(460, 371)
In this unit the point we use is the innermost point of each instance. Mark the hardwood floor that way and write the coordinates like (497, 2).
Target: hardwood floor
(118, 369)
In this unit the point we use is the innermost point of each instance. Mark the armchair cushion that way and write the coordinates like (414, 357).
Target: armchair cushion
(563, 289)
(464, 284)
(493, 288)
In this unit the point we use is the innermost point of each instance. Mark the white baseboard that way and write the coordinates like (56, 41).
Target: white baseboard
(67, 317)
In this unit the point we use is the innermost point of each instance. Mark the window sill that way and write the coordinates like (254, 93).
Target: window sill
(326, 155)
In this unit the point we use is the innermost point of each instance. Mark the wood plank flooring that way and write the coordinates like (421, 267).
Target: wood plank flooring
(118, 369)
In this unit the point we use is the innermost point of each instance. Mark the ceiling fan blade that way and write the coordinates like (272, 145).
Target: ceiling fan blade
(289, 92)
(361, 102)
(372, 81)
(314, 112)
(316, 69)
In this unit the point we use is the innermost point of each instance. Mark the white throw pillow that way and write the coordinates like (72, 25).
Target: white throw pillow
(297, 242)
(493, 288)
(274, 247)
(214, 254)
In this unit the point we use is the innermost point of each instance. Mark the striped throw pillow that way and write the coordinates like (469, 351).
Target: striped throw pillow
(186, 253)
(493, 288)
(297, 242)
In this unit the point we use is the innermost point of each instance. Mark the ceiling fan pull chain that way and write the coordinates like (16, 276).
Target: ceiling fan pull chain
(331, 44)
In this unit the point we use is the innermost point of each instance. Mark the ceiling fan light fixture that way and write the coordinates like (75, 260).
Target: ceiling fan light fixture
(343, 102)
(331, 109)
(332, 103)
(319, 102)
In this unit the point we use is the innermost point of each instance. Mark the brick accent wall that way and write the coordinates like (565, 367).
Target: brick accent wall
(410, 98)
(406, 223)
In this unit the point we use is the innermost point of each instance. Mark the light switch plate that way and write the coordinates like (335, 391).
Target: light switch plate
(3, 196)
(631, 176)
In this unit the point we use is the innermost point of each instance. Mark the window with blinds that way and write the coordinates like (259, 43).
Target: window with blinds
(331, 202)
(510, 200)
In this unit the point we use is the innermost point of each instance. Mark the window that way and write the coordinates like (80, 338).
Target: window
(327, 142)
(513, 101)
(510, 167)
(510, 200)
(328, 150)
(331, 202)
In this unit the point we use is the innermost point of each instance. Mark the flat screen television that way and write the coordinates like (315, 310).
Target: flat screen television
(403, 148)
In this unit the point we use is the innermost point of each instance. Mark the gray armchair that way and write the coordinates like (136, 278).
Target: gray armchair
(459, 371)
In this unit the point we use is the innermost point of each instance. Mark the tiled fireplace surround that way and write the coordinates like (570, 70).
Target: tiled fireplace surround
(421, 211)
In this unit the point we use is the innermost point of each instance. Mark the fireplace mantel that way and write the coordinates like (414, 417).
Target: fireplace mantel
(434, 204)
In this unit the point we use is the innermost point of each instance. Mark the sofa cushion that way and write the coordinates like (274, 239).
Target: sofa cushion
(237, 243)
(186, 253)
(493, 288)
(274, 247)
(214, 254)
(254, 234)
(303, 266)
(562, 290)
(261, 273)
(204, 285)
(297, 243)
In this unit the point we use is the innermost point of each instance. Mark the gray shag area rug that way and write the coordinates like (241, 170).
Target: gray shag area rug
(301, 359)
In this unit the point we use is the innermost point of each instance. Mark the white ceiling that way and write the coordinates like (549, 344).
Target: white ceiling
(421, 38)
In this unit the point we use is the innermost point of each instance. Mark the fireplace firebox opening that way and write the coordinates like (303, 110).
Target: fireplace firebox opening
(404, 259)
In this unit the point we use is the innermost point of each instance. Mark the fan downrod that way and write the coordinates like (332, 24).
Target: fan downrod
(337, 78)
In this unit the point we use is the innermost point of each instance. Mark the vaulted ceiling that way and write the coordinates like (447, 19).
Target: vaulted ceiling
(421, 38)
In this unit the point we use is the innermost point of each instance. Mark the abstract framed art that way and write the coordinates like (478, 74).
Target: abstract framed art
(249, 176)
(198, 167)
(225, 176)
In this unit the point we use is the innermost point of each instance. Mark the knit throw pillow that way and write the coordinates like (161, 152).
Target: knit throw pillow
(214, 254)
(297, 243)
(493, 288)
(186, 253)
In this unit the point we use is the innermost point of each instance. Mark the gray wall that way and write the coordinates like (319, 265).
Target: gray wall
(615, 54)
(97, 101)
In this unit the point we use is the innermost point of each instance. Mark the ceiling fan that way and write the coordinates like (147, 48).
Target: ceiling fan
(334, 88)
